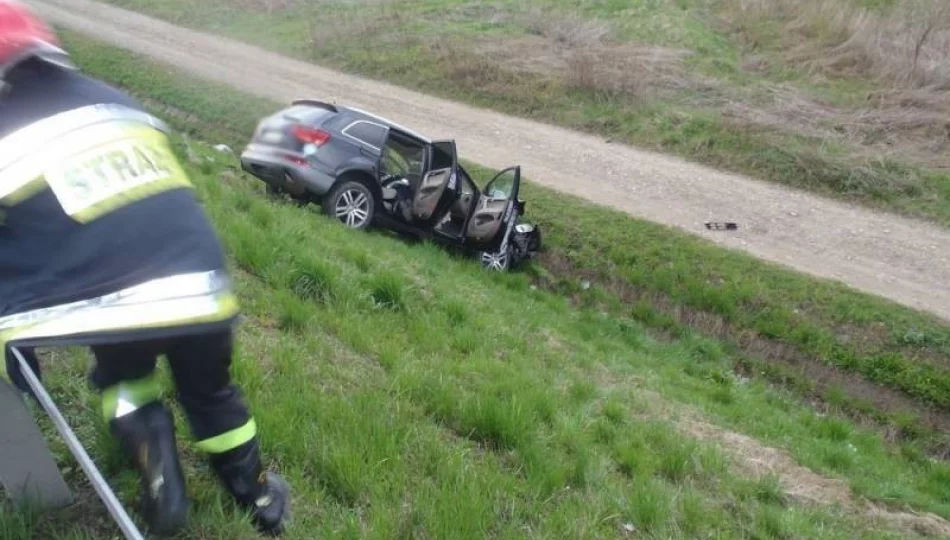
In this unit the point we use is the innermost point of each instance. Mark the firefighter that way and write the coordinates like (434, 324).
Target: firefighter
(104, 244)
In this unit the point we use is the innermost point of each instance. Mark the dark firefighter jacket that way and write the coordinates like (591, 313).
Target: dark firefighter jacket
(101, 236)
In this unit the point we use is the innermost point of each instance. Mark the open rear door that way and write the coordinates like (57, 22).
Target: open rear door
(496, 206)
(443, 166)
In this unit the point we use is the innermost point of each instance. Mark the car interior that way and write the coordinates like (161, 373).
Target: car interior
(487, 216)
(403, 158)
(454, 222)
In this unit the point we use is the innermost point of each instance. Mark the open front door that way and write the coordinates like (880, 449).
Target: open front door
(496, 206)
(443, 165)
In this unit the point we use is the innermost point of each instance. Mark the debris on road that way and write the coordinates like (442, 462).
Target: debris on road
(721, 226)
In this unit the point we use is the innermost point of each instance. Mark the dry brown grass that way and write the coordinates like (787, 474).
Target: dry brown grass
(267, 6)
(376, 23)
(585, 55)
(911, 124)
(906, 120)
(908, 46)
(905, 51)
(615, 71)
(626, 70)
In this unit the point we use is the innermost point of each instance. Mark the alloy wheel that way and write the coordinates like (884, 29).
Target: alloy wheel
(497, 260)
(352, 208)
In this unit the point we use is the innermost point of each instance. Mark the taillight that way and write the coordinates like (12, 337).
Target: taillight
(296, 160)
(307, 135)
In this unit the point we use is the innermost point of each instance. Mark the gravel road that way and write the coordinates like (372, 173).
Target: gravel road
(901, 259)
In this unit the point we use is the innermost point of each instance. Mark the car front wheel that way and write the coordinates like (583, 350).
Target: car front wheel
(497, 261)
(352, 203)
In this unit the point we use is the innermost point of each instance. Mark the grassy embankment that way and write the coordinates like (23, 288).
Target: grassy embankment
(818, 338)
(831, 96)
(405, 392)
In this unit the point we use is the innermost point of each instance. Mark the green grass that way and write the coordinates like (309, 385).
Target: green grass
(667, 280)
(423, 397)
(439, 48)
(407, 393)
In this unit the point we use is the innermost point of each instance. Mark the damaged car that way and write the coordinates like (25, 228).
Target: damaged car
(366, 170)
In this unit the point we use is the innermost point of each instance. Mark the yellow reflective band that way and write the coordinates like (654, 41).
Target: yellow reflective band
(97, 169)
(25, 154)
(95, 159)
(167, 302)
(164, 288)
(229, 440)
(128, 396)
(24, 191)
(165, 313)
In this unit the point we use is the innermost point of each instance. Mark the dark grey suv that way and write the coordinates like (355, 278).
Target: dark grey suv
(365, 169)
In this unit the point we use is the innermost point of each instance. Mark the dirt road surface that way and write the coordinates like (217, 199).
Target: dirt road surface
(901, 259)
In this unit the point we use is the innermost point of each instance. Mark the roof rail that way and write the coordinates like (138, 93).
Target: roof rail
(316, 103)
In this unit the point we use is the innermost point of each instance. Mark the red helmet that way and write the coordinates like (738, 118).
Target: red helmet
(24, 35)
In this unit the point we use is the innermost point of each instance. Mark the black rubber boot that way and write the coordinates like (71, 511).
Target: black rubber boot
(265, 494)
(148, 438)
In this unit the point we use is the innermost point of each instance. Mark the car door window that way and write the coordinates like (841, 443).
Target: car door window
(367, 132)
(404, 158)
(441, 159)
(466, 186)
(501, 186)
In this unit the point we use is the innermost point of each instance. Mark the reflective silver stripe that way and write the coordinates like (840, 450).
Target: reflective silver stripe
(149, 301)
(180, 312)
(42, 134)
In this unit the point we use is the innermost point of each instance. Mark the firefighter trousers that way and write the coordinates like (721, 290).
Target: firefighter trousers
(200, 366)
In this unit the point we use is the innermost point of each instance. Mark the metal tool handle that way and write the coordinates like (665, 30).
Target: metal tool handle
(98, 482)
